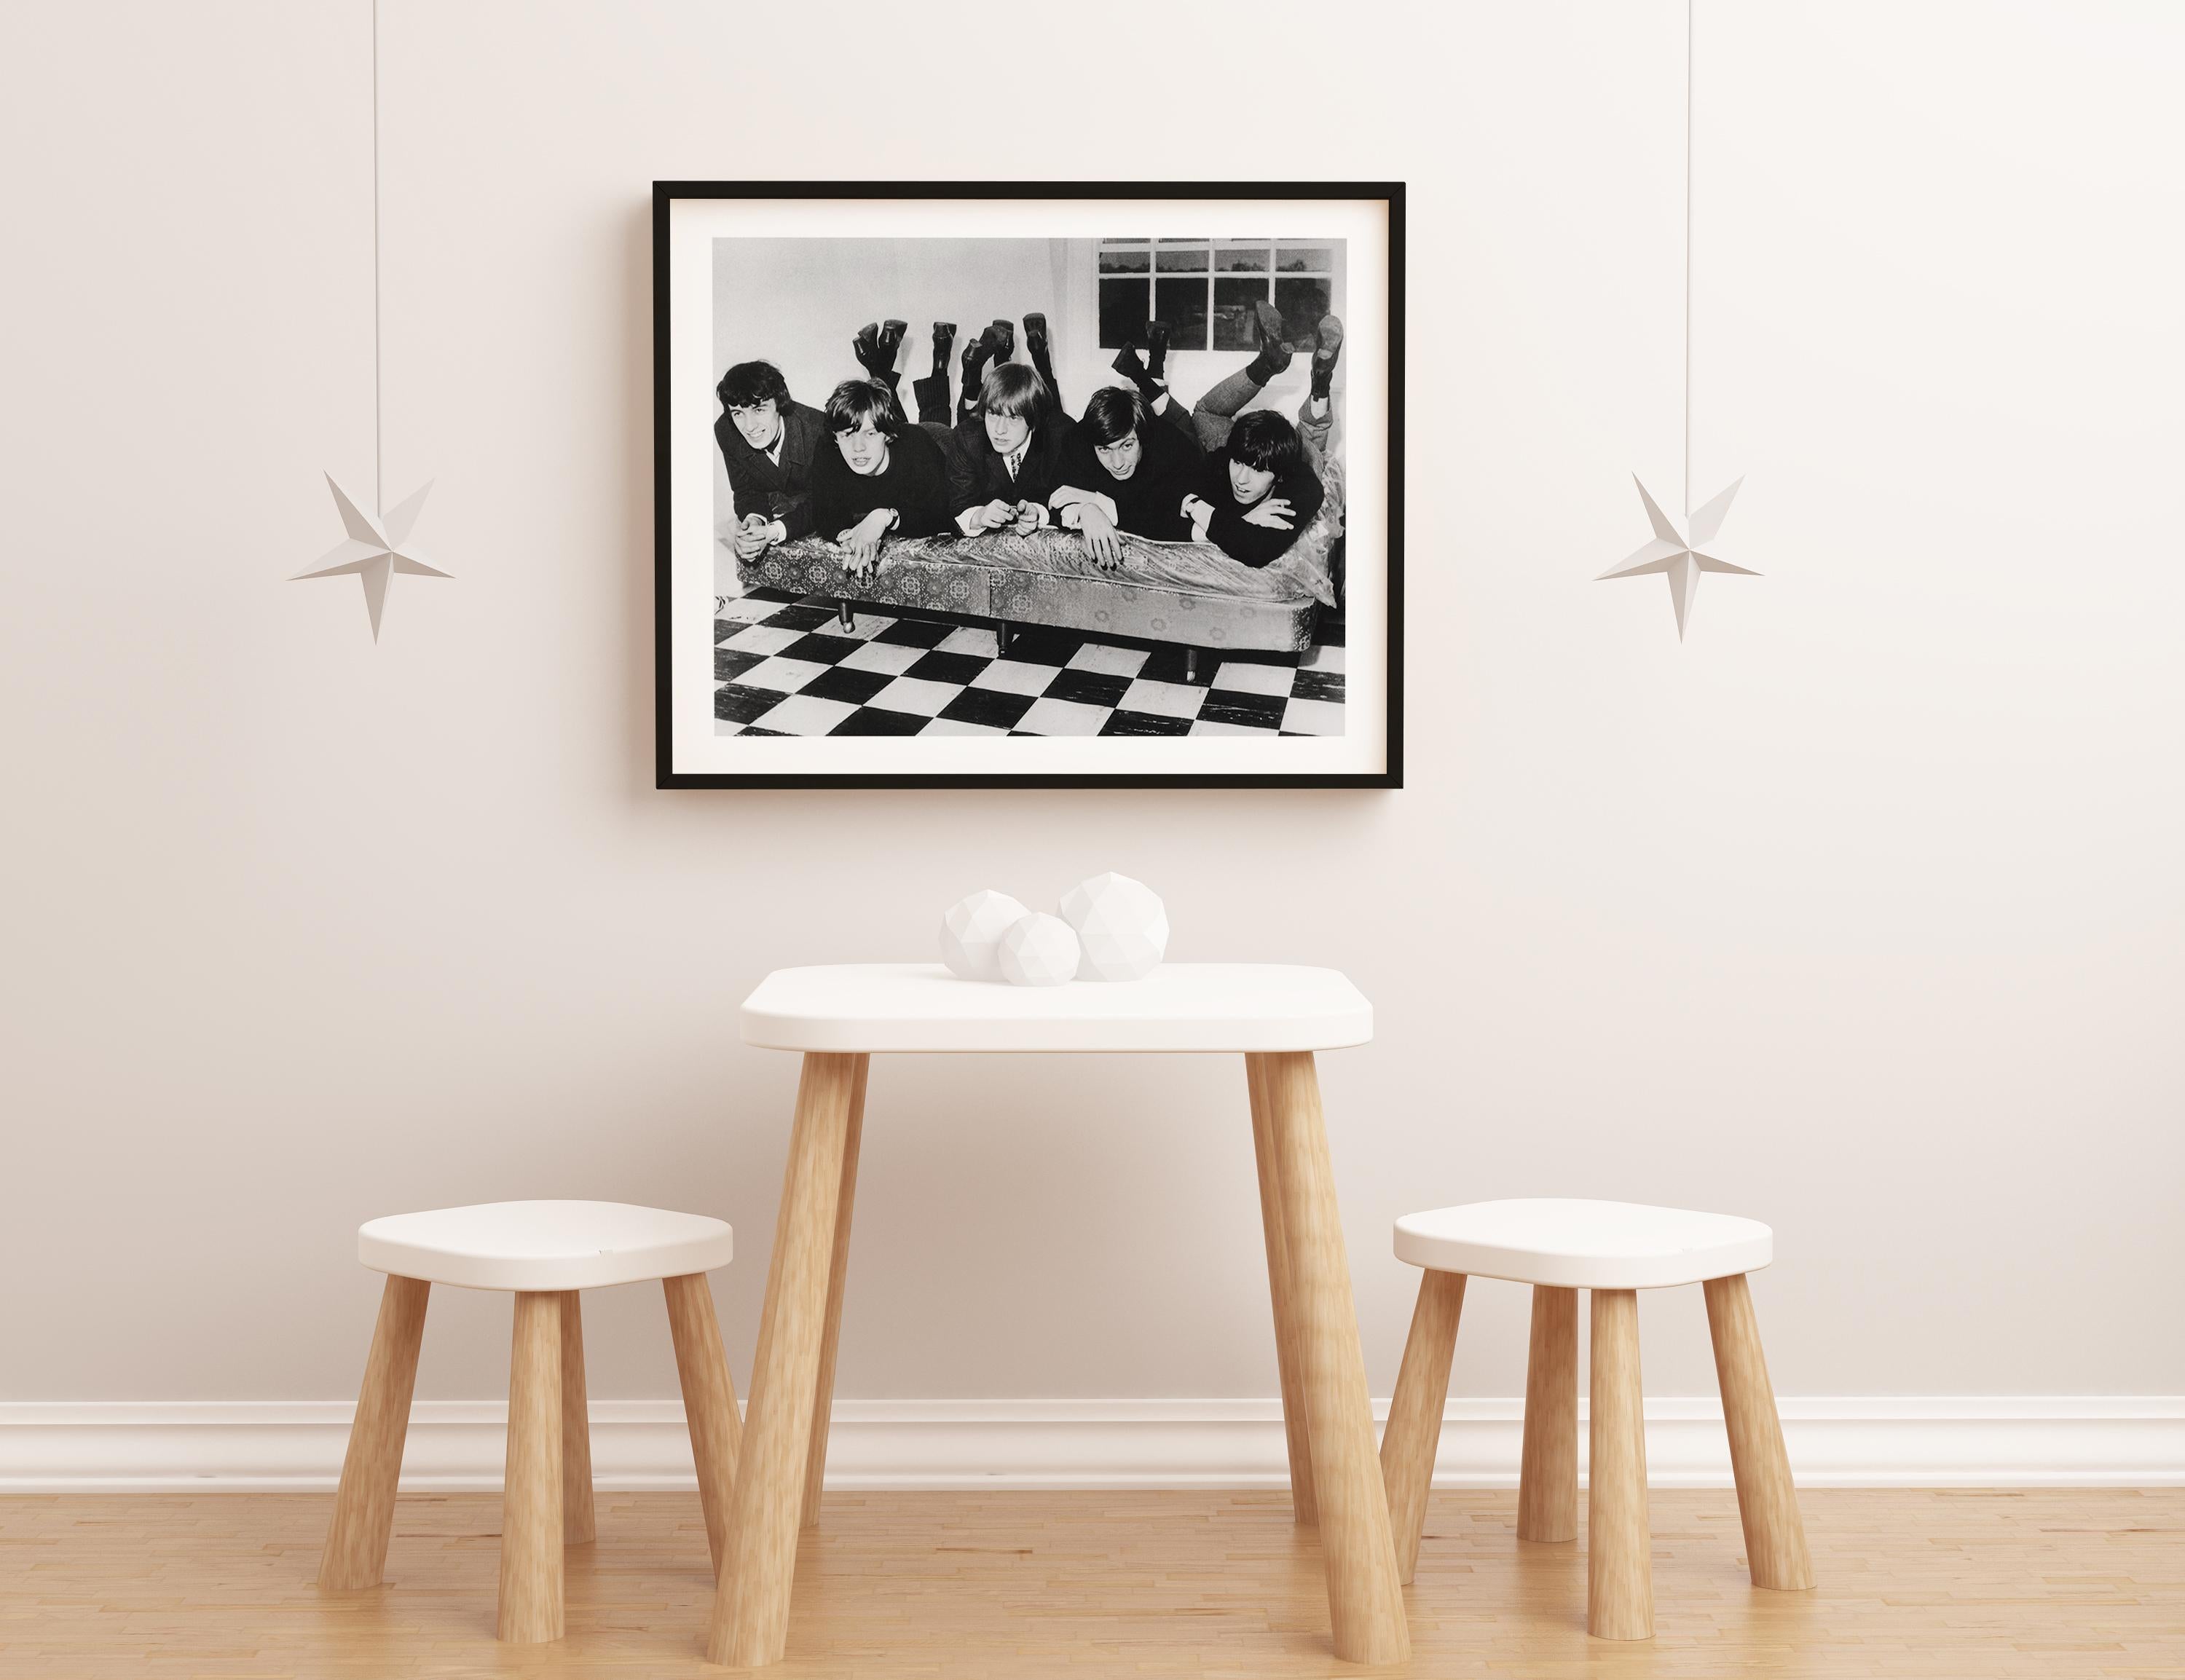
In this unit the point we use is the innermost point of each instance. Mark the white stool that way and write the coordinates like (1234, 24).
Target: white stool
(545, 1251)
(1614, 1249)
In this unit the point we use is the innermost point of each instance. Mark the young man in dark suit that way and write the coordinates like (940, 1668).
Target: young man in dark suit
(767, 444)
(1009, 454)
(1124, 471)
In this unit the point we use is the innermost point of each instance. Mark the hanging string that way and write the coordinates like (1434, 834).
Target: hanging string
(378, 459)
(1688, 256)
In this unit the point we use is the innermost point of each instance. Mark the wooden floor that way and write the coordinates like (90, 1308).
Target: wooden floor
(1973, 1586)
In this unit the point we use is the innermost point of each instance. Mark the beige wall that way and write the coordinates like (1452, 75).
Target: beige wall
(1859, 912)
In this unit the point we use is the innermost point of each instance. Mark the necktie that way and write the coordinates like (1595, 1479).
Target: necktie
(1016, 459)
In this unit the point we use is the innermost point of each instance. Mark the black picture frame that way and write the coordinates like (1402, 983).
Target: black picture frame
(665, 196)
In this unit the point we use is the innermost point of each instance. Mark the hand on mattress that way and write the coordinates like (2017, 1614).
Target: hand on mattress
(861, 542)
(1101, 540)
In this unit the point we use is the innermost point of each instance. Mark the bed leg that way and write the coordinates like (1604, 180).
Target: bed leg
(1001, 636)
(1191, 665)
(844, 616)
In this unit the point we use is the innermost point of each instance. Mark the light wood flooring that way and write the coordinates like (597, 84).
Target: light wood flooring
(1971, 1585)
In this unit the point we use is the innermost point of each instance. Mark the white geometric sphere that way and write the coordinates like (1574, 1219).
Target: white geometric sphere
(1039, 950)
(971, 934)
(1122, 925)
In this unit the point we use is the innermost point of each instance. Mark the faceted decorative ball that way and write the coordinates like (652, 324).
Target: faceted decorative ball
(1120, 923)
(1039, 950)
(971, 934)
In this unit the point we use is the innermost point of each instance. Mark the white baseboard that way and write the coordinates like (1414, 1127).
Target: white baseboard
(2016, 1442)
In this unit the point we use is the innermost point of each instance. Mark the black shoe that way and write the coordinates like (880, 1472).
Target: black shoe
(866, 348)
(1274, 351)
(1036, 336)
(1005, 339)
(944, 336)
(1328, 346)
(1157, 333)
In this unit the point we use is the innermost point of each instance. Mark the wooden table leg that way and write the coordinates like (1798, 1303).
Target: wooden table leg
(363, 1509)
(1547, 1478)
(1767, 1502)
(531, 1571)
(709, 1402)
(751, 1609)
(579, 1521)
(1619, 1568)
(1304, 1507)
(1413, 1435)
(823, 1403)
(1364, 1602)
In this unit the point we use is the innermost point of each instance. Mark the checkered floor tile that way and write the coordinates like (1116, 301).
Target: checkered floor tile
(783, 665)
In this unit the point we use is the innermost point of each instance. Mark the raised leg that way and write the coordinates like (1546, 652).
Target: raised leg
(1619, 1570)
(709, 1402)
(363, 1509)
(1365, 1601)
(1287, 1359)
(1414, 1431)
(579, 1527)
(823, 1403)
(751, 1610)
(1775, 1534)
(1547, 1480)
(531, 1496)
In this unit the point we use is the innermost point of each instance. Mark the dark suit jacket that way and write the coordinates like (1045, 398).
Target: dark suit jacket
(977, 475)
(783, 492)
(1257, 545)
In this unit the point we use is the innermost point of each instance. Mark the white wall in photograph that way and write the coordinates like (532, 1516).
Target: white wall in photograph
(1857, 911)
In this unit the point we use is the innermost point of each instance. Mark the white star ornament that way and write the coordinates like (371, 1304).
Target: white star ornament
(376, 550)
(1682, 561)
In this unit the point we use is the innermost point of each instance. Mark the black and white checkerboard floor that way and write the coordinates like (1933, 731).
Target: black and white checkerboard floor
(787, 666)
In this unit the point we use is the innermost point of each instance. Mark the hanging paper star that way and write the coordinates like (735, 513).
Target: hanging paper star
(376, 550)
(1672, 553)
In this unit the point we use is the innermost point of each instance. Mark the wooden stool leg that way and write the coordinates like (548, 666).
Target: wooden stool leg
(1547, 1482)
(823, 1403)
(1619, 1570)
(363, 1509)
(709, 1402)
(531, 1493)
(580, 1526)
(751, 1610)
(1775, 1534)
(1365, 1602)
(1414, 1431)
(1304, 1507)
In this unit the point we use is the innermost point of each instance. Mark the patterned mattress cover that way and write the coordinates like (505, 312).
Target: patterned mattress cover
(1181, 592)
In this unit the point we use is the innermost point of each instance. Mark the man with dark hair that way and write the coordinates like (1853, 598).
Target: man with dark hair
(1123, 471)
(1256, 492)
(767, 444)
(1008, 452)
(884, 476)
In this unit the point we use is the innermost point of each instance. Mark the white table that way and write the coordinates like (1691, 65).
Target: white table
(1277, 1016)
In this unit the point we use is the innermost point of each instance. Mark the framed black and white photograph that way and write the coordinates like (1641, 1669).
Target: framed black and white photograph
(1023, 484)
